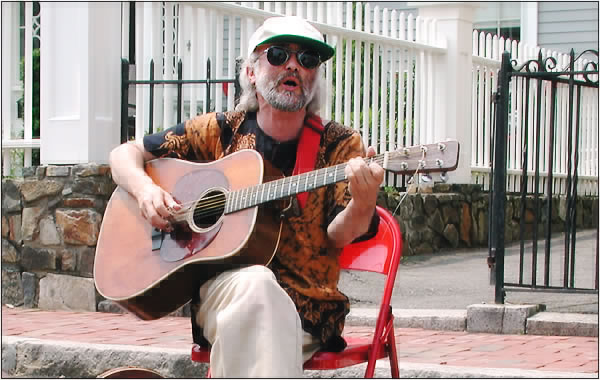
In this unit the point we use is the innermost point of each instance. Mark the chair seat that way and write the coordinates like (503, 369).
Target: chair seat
(356, 352)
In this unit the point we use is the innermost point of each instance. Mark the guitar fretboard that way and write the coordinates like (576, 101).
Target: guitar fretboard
(288, 186)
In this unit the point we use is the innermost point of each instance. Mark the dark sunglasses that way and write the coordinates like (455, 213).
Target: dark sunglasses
(277, 56)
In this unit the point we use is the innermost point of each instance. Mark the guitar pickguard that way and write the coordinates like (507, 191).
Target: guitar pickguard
(183, 242)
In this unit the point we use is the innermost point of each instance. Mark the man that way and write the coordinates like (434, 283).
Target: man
(266, 321)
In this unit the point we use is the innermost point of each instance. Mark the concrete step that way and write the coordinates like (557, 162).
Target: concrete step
(569, 324)
(29, 357)
(482, 317)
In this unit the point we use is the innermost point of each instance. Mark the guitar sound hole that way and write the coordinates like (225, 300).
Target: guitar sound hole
(209, 209)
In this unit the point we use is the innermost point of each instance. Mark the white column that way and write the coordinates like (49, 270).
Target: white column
(10, 77)
(453, 78)
(80, 76)
(529, 23)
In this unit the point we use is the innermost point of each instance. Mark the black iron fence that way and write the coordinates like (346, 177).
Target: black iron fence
(128, 122)
(544, 201)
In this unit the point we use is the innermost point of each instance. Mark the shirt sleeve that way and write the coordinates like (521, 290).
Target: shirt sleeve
(194, 140)
(168, 143)
(349, 148)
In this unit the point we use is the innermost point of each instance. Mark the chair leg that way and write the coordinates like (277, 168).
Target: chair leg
(393, 355)
(372, 360)
(379, 343)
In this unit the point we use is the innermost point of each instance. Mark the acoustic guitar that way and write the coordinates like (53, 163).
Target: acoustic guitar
(231, 216)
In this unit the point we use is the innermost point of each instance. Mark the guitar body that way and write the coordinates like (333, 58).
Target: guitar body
(153, 274)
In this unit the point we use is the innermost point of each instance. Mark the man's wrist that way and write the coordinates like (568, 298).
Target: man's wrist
(138, 183)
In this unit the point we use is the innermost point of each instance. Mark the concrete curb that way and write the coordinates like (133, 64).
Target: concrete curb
(28, 357)
(419, 370)
(487, 318)
(572, 324)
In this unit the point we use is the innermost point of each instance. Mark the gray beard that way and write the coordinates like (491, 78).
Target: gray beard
(283, 101)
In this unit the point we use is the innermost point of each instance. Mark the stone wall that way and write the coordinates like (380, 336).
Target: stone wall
(51, 218)
(439, 217)
(444, 216)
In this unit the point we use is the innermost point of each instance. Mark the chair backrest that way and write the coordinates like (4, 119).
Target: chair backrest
(379, 254)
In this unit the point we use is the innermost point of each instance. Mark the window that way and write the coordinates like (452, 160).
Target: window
(514, 33)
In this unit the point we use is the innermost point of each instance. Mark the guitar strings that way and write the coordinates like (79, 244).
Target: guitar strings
(410, 182)
(215, 205)
(192, 202)
(210, 207)
(215, 208)
(378, 158)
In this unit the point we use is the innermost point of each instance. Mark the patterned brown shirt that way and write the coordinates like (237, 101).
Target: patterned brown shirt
(305, 265)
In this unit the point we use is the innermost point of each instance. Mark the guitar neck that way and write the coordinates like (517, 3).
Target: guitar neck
(288, 186)
(437, 157)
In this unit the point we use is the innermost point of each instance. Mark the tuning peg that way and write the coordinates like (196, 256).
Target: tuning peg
(426, 178)
(444, 177)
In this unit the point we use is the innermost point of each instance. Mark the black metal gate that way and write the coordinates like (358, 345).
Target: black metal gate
(128, 122)
(542, 71)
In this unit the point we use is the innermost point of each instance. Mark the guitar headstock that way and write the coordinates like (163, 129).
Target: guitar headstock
(428, 158)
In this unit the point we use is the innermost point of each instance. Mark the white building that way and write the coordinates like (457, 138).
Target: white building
(554, 25)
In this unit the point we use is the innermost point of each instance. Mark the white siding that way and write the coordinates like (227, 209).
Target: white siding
(566, 25)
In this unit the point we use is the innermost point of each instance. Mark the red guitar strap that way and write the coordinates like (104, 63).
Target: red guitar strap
(308, 146)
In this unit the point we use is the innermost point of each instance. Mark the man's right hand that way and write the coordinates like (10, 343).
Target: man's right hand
(127, 166)
(157, 206)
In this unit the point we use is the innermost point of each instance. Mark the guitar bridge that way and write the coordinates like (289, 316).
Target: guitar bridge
(157, 239)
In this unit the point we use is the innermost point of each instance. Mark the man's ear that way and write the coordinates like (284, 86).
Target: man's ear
(250, 74)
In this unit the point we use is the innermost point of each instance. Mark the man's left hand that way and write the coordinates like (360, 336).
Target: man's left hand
(364, 180)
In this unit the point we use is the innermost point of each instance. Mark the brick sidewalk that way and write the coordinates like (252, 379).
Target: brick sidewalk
(528, 352)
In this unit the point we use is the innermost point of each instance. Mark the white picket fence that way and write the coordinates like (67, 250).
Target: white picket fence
(487, 51)
(381, 81)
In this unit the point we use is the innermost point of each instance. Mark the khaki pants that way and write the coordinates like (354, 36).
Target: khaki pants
(253, 326)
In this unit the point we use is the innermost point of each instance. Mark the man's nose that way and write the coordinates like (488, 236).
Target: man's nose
(292, 63)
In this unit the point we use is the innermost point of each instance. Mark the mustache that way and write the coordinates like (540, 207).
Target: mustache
(294, 74)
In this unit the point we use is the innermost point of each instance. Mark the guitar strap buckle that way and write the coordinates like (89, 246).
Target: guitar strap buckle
(293, 209)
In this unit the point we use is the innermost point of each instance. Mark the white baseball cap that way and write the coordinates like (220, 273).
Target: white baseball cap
(290, 29)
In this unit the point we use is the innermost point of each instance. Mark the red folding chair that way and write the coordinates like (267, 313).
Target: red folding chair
(380, 254)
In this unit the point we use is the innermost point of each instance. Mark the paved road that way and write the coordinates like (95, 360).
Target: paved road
(456, 279)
